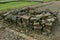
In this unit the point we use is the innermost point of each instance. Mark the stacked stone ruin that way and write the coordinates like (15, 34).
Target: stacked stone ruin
(29, 17)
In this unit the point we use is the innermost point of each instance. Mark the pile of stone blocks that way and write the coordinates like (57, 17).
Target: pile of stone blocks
(29, 17)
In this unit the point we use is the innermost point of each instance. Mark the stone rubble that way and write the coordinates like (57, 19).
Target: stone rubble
(29, 17)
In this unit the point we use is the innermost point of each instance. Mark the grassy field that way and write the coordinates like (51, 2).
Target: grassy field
(12, 5)
(19, 4)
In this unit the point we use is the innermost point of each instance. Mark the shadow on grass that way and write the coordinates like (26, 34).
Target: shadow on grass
(7, 2)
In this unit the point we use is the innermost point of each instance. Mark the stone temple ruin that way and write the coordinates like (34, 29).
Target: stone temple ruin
(30, 18)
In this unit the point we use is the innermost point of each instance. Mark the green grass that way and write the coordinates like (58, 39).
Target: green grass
(12, 5)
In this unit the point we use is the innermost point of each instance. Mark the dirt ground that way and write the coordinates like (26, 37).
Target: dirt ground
(11, 32)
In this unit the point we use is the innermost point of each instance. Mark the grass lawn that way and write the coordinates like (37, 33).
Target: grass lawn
(12, 5)
(19, 4)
